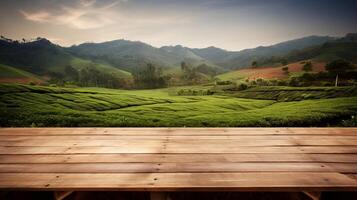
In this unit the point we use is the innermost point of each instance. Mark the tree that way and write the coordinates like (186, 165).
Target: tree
(337, 67)
(71, 73)
(285, 70)
(149, 77)
(183, 66)
(307, 67)
(254, 64)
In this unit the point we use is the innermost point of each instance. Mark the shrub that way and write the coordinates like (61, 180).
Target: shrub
(307, 67)
(224, 82)
(282, 83)
(262, 82)
(295, 82)
(189, 92)
(285, 70)
(350, 122)
(242, 86)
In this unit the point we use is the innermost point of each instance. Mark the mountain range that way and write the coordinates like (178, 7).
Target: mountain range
(122, 57)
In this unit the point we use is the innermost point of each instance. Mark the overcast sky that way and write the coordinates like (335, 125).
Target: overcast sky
(228, 24)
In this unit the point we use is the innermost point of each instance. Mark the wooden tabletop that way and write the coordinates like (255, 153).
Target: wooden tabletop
(175, 159)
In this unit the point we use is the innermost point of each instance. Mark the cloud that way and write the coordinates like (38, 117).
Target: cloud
(86, 14)
(92, 14)
(41, 16)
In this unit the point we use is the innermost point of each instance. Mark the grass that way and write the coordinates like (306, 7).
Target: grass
(80, 64)
(24, 105)
(232, 76)
(11, 72)
(283, 93)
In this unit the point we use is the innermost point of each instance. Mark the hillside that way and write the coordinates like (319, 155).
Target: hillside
(130, 55)
(38, 56)
(133, 55)
(119, 58)
(270, 72)
(13, 75)
(342, 48)
(45, 59)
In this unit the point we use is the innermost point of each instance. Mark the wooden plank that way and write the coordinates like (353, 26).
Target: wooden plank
(177, 167)
(14, 138)
(178, 131)
(178, 158)
(181, 142)
(178, 149)
(289, 181)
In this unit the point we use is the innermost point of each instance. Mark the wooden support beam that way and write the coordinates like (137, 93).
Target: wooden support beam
(313, 195)
(61, 195)
(158, 196)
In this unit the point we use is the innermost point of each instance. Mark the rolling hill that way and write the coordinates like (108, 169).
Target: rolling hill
(43, 58)
(120, 58)
(343, 48)
(133, 55)
(10, 75)
(270, 67)
(269, 72)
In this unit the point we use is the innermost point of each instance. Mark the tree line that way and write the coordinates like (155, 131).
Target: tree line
(87, 77)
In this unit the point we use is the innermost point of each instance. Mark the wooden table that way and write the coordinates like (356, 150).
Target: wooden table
(177, 159)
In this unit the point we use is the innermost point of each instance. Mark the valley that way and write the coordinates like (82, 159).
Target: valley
(131, 84)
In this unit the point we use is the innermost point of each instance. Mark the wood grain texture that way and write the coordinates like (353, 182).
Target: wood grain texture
(175, 159)
(290, 181)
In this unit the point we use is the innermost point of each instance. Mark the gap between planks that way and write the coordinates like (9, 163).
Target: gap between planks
(177, 158)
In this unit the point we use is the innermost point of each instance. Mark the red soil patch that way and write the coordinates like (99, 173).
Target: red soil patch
(277, 73)
(20, 80)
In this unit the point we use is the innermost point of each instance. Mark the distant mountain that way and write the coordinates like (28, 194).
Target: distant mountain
(41, 57)
(131, 55)
(244, 58)
(214, 54)
(341, 48)
(119, 57)
(37, 56)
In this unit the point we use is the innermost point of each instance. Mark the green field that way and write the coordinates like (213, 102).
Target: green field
(24, 105)
(78, 64)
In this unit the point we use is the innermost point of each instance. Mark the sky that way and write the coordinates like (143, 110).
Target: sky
(228, 24)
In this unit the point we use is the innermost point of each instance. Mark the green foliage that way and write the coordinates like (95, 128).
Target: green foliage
(12, 72)
(254, 64)
(191, 75)
(352, 122)
(307, 67)
(24, 105)
(285, 70)
(219, 82)
(149, 77)
(279, 93)
(193, 92)
(242, 86)
(208, 70)
(344, 48)
(339, 66)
